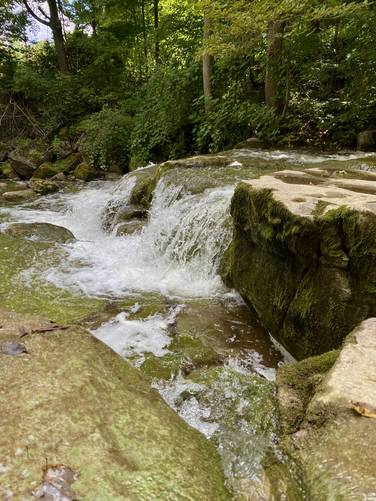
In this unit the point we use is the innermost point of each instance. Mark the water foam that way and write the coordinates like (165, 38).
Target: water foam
(177, 253)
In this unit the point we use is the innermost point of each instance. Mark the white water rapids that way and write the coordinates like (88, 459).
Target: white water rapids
(176, 254)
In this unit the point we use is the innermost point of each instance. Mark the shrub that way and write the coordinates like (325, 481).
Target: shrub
(163, 126)
(107, 138)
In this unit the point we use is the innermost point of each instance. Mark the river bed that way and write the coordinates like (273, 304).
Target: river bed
(156, 298)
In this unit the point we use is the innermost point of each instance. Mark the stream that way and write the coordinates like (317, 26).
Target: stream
(155, 296)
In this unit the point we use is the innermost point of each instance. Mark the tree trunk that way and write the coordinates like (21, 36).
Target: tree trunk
(273, 97)
(156, 34)
(207, 69)
(57, 32)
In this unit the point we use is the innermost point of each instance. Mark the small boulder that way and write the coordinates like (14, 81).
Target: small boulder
(46, 170)
(251, 143)
(85, 172)
(67, 164)
(43, 187)
(45, 232)
(7, 171)
(19, 195)
(21, 165)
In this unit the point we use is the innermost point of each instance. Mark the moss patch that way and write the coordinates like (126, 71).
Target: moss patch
(297, 383)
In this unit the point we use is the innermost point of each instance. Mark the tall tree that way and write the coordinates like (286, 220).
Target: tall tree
(273, 98)
(207, 68)
(156, 29)
(53, 21)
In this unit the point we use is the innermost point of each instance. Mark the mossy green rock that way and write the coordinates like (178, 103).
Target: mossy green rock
(145, 181)
(47, 170)
(7, 171)
(85, 172)
(81, 405)
(44, 232)
(303, 255)
(67, 164)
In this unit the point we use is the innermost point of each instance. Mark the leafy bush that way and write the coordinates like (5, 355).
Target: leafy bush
(163, 127)
(232, 121)
(107, 138)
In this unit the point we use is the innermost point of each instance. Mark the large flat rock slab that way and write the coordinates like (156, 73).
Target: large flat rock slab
(306, 193)
(303, 254)
(335, 446)
(353, 376)
(69, 400)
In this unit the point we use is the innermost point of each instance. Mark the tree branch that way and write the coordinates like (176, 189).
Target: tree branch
(43, 13)
(35, 16)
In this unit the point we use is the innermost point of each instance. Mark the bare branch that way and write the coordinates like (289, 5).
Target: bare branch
(35, 16)
(43, 13)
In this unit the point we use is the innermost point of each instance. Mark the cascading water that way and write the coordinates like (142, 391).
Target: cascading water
(176, 254)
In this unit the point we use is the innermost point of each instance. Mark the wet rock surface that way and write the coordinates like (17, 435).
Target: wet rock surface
(44, 232)
(333, 445)
(304, 254)
(19, 195)
(79, 404)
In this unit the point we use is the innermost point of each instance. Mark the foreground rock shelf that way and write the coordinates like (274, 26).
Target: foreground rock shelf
(332, 445)
(303, 254)
(70, 400)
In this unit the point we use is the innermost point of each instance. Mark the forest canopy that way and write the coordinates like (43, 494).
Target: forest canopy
(147, 80)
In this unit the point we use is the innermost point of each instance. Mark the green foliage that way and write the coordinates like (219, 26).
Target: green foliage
(163, 128)
(122, 58)
(232, 121)
(107, 138)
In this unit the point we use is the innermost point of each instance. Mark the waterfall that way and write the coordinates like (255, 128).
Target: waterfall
(177, 253)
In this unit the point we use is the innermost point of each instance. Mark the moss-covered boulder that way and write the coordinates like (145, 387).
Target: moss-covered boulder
(47, 170)
(43, 186)
(7, 171)
(332, 446)
(21, 195)
(78, 404)
(44, 232)
(303, 255)
(145, 181)
(28, 156)
(21, 164)
(68, 163)
(85, 172)
(297, 383)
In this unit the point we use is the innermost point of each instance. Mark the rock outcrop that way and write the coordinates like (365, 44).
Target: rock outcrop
(332, 445)
(303, 254)
(69, 400)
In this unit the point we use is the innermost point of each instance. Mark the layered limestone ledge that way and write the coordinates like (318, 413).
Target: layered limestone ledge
(68, 399)
(331, 444)
(303, 254)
